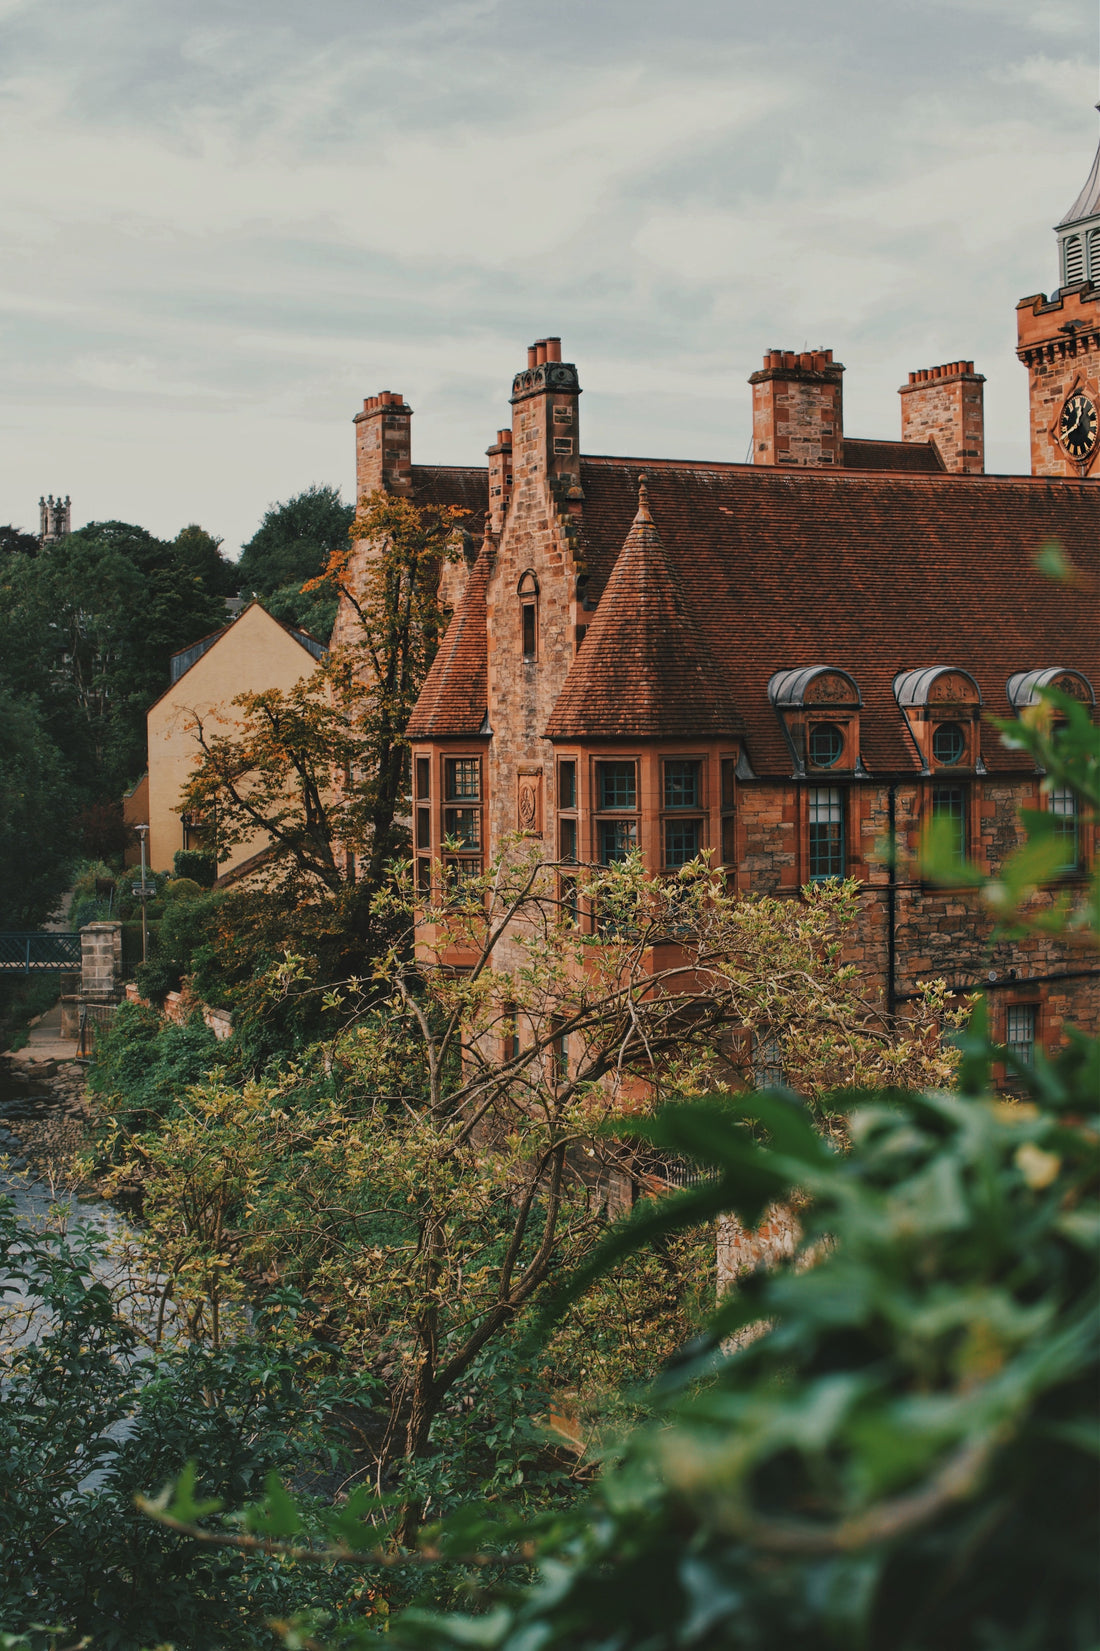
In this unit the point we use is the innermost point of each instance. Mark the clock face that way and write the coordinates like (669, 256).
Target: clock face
(1079, 426)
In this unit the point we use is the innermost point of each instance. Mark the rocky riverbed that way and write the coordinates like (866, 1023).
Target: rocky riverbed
(43, 1117)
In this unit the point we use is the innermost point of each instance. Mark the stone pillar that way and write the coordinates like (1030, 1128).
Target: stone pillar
(101, 962)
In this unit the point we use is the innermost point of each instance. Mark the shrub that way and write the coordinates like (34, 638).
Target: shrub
(196, 864)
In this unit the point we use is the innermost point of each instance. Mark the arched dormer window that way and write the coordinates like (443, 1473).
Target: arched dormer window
(528, 590)
(1022, 688)
(818, 708)
(942, 707)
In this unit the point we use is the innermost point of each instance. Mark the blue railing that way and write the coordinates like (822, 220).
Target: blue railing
(24, 954)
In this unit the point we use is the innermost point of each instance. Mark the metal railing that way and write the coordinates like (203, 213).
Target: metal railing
(94, 1018)
(25, 953)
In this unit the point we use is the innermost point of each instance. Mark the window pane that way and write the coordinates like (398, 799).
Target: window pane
(1020, 1031)
(615, 839)
(1063, 809)
(528, 630)
(424, 876)
(463, 777)
(682, 784)
(949, 803)
(423, 777)
(826, 833)
(567, 836)
(616, 785)
(423, 828)
(729, 771)
(568, 895)
(567, 785)
(948, 743)
(463, 824)
(767, 1061)
(729, 840)
(681, 841)
(826, 745)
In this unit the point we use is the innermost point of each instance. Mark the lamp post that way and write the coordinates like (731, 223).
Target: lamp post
(143, 831)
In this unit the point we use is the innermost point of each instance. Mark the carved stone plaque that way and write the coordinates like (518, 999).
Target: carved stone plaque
(529, 802)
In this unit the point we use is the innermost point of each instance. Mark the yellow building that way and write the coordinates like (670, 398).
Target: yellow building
(251, 655)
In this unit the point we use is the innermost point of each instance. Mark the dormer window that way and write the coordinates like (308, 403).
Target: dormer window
(818, 708)
(529, 616)
(942, 707)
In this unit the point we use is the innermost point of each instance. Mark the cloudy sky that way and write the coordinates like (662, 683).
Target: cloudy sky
(225, 222)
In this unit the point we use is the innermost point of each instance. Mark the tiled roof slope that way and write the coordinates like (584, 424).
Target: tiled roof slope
(872, 573)
(892, 455)
(643, 671)
(462, 485)
(455, 697)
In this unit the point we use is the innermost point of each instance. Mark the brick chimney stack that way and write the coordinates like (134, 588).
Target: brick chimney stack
(383, 446)
(545, 424)
(500, 480)
(798, 409)
(945, 405)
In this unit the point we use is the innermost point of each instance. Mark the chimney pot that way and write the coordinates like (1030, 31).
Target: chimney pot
(553, 349)
(540, 352)
(532, 355)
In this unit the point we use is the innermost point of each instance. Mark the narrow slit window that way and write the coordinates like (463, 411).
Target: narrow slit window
(1063, 809)
(530, 630)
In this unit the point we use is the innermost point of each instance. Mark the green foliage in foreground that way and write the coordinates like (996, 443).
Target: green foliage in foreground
(86, 1420)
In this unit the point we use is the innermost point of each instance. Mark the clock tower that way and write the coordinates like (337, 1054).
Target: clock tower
(1059, 344)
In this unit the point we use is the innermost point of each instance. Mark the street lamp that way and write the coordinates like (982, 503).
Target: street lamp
(143, 831)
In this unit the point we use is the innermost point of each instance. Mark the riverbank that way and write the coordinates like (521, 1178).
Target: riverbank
(43, 1104)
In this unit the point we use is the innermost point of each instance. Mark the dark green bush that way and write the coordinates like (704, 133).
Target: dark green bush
(195, 863)
(144, 1064)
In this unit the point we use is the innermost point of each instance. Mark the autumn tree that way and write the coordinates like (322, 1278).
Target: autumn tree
(321, 770)
(477, 1139)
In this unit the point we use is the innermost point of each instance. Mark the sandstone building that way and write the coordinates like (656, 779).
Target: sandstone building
(782, 662)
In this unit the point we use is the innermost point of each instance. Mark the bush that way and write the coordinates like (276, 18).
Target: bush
(196, 864)
(144, 1064)
(182, 888)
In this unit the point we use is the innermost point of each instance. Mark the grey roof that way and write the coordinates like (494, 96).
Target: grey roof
(915, 687)
(787, 689)
(1087, 204)
(1022, 686)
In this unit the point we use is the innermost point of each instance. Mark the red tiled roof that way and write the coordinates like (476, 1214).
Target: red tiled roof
(462, 485)
(643, 671)
(872, 573)
(455, 697)
(921, 456)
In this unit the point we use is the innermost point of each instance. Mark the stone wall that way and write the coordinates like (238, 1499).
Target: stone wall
(101, 962)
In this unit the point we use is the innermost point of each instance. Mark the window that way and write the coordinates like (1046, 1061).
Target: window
(682, 788)
(424, 878)
(826, 745)
(1020, 1019)
(463, 777)
(462, 817)
(509, 1033)
(559, 1052)
(729, 836)
(567, 785)
(1062, 804)
(567, 840)
(767, 1061)
(616, 791)
(682, 841)
(423, 828)
(615, 839)
(529, 615)
(949, 803)
(423, 778)
(948, 743)
(826, 833)
(1075, 260)
(617, 785)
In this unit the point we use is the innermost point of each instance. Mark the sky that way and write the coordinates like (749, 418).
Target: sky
(223, 223)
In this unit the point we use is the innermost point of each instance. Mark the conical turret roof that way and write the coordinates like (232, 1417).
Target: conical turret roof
(643, 670)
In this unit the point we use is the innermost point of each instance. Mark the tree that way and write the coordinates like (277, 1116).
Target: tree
(471, 1155)
(36, 808)
(200, 553)
(322, 770)
(88, 628)
(294, 541)
(14, 542)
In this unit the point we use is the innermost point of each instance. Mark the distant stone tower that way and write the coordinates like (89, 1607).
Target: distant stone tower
(1059, 344)
(54, 519)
